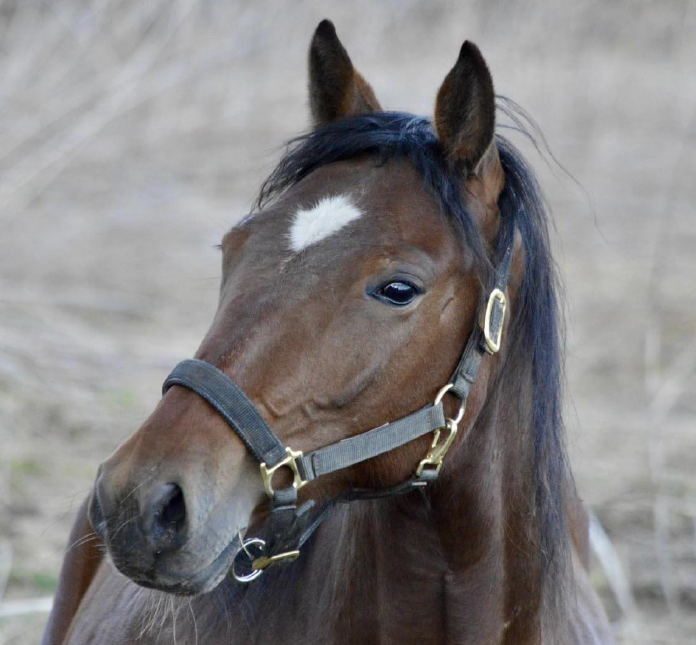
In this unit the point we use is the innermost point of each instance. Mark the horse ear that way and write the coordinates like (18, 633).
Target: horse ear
(336, 89)
(465, 109)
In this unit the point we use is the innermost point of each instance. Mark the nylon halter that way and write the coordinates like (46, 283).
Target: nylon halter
(289, 527)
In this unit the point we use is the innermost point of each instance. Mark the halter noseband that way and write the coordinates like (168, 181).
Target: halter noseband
(290, 527)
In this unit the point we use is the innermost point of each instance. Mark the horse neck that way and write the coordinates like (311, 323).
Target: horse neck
(459, 560)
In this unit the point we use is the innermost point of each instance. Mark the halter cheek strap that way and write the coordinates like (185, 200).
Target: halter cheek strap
(487, 336)
(290, 526)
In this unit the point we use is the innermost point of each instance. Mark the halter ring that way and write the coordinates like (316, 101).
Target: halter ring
(462, 405)
(256, 544)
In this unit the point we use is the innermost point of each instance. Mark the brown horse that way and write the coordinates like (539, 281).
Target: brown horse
(346, 303)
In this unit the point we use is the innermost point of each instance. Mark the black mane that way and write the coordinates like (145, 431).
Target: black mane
(537, 321)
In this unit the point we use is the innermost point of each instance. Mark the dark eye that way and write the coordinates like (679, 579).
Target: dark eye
(397, 293)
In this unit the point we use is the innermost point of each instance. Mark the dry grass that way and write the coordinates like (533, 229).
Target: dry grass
(133, 134)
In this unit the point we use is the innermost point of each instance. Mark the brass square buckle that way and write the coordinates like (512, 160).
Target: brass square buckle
(493, 339)
(290, 460)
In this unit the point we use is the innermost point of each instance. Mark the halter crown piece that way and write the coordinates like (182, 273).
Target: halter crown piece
(290, 526)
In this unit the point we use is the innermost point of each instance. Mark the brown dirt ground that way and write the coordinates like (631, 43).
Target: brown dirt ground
(132, 135)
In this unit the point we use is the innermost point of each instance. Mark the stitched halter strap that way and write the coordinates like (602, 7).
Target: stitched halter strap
(241, 414)
(289, 527)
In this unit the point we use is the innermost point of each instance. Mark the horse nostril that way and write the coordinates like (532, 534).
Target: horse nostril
(166, 521)
(173, 508)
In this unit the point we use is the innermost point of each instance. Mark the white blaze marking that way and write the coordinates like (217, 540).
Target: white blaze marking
(319, 222)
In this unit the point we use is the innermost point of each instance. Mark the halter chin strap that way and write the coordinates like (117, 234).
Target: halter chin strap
(291, 526)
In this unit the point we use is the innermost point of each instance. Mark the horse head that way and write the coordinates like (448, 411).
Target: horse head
(347, 298)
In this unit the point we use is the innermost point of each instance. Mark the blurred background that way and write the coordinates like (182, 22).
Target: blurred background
(134, 134)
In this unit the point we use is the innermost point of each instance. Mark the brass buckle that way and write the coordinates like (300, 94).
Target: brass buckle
(290, 460)
(438, 449)
(493, 343)
(263, 562)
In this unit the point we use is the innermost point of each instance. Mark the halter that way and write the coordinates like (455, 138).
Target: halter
(290, 526)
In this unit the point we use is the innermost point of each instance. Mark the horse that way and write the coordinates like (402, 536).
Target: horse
(391, 304)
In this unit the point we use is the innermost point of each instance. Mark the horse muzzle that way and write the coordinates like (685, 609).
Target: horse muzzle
(158, 534)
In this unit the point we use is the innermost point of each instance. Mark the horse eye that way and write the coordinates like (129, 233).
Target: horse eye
(397, 293)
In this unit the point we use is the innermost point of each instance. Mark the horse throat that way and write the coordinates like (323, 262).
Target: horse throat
(456, 563)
